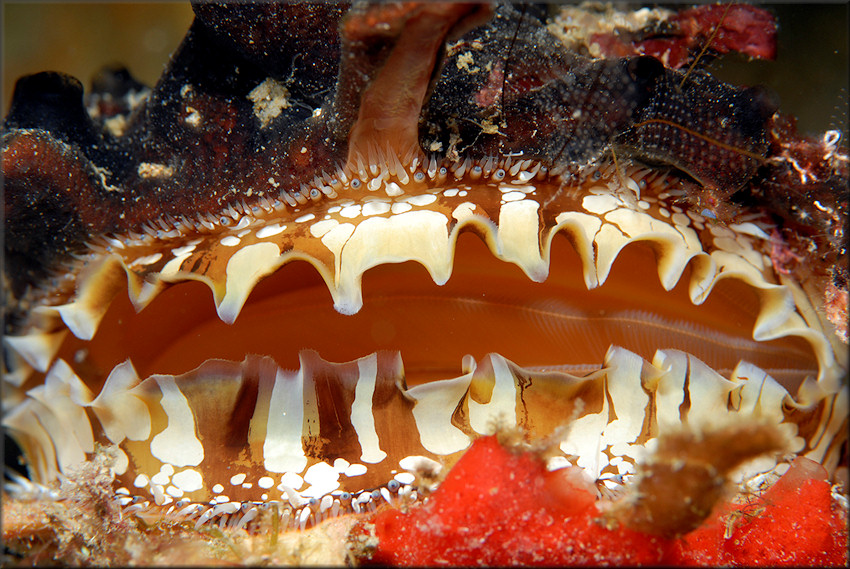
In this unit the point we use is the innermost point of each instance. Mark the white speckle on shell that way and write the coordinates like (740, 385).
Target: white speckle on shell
(188, 480)
(270, 230)
(292, 479)
(405, 477)
(355, 470)
(421, 200)
(265, 482)
(400, 207)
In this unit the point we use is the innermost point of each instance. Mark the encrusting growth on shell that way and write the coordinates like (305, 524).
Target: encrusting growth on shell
(84, 525)
(687, 473)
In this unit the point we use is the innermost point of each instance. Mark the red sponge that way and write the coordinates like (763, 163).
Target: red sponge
(502, 507)
(793, 523)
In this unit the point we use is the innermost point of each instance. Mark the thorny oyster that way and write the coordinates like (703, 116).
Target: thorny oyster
(298, 189)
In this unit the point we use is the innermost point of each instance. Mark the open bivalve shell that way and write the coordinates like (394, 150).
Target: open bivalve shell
(629, 332)
(318, 347)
